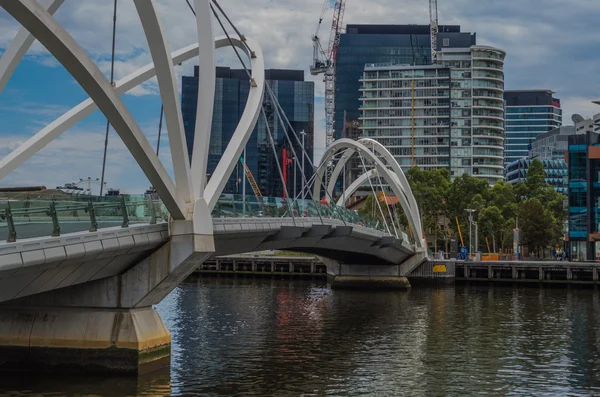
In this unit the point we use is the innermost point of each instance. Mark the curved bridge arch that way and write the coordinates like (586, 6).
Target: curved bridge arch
(400, 189)
(39, 24)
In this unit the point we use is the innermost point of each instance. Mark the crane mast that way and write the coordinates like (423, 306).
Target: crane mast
(433, 25)
(324, 63)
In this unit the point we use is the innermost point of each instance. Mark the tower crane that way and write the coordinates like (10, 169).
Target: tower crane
(434, 27)
(324, 62)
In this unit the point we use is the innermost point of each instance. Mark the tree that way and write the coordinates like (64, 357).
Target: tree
(430, 189)
(536, 178)
(537, 225)
(491, 223)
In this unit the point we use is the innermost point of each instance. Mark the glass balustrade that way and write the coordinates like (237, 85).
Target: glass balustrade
(25, 218)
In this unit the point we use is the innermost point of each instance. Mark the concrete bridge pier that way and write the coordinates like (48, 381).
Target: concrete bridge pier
(107, 325)
(360, 276)
(383, 276)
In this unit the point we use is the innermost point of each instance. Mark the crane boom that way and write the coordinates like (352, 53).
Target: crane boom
(434, 27)
(324, 63)
(254, 185)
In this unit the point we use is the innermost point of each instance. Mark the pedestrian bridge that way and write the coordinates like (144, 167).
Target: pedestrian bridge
(79, 276)
(69, 240)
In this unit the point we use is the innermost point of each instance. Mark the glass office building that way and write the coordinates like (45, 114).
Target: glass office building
(296, 97)
(584, 196)
(529, 113)
(375, 44)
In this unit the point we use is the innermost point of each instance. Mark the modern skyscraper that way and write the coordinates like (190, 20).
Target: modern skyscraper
(296, 97)
(391, 44)
(529, 113)
(448, 115)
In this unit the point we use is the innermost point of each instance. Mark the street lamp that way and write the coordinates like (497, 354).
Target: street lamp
(295, 160)
(303, 134)
(470, 211)
(344, 157)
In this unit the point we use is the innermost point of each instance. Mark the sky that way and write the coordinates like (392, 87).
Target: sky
(550, 44)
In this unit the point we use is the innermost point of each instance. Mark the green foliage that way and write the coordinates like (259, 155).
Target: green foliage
(536, 224)
(536, 178)
(537, 205)
(371, 208)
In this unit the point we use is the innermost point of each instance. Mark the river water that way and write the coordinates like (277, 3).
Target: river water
(299, 338)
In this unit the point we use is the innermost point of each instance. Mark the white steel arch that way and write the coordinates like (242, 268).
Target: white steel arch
(405, 196)
(40, 23)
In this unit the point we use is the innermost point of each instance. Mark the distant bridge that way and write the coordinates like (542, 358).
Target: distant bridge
(79, 277)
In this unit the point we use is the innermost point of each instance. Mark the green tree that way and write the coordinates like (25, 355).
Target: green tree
(430, 189)
(536, 178)
(491, 223)
(537, 226)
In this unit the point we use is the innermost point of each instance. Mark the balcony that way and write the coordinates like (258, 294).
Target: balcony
(487, 65)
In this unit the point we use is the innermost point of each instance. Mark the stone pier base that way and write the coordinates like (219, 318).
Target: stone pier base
(83, 340)
(370, 282)
(373, 277)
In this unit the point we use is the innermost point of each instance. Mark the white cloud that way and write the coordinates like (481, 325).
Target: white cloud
(548, 46)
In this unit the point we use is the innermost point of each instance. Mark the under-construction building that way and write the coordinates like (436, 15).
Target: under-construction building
(449, 115)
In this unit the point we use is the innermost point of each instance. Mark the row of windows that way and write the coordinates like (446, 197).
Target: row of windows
(534, 116)
(408, 84)
(406, 74)
(536, 109)
(516, 123)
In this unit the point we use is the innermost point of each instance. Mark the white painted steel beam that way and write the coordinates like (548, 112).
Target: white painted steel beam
(206, 96)
(350, 190)
(64, 48)
(244, 129)
(391, 161)
(167, 83)
(19, 46)
(390, 177)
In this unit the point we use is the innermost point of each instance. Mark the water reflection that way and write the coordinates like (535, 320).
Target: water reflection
(282, 337)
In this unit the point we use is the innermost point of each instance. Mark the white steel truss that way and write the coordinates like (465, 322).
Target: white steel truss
(190, 179)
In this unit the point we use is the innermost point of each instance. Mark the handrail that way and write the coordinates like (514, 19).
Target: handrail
(68, 213)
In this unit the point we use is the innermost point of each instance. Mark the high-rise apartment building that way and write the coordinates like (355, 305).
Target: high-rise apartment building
(529, 113)
(375, 44)
(448, 115)
(296, 97)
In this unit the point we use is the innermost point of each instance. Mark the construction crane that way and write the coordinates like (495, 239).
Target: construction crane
(434, 27)
(324, 62)
(254, 185)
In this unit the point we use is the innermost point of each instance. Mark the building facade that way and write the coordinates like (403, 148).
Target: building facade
(556, 172)
(584, 126)
(584, 196)
(552, 145)
(295, 96)
(529, 113)
(374, 44)
(448, 115)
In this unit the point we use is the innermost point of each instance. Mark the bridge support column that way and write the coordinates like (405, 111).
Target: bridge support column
(107, 325)
(377, 277)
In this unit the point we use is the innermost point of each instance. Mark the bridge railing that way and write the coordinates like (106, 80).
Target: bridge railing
(235, 206)
(55, 215)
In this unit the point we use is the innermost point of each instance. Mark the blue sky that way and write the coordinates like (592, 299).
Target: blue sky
(549, 43)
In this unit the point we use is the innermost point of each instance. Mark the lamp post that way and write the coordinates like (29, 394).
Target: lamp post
(344, 157)
(303, 134)
(470, 211)
(295, 160)
(244, 184)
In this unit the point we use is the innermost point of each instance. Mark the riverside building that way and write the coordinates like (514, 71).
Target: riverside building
(529, 114)
(449, 115)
